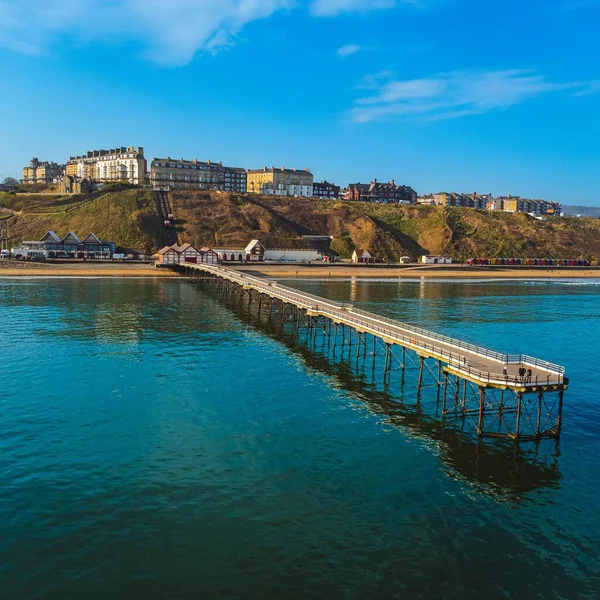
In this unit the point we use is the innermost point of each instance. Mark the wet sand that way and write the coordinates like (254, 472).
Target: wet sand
(107, 269)
(118, 269)
(434, 271)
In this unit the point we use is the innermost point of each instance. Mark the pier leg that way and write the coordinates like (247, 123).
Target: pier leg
(457, 392)
(420, 381)
(539, 415)
(464, 397)
(387, 360)
(444, 396)
(518, 423)
(481, 409)
(439, 377)
(403, 363)
(560, 409)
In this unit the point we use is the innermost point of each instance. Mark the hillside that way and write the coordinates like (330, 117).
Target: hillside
(220, 219)
(128, 218)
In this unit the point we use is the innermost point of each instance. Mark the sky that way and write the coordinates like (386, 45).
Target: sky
(494, 96)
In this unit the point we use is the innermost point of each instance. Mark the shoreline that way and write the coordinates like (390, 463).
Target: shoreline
(322, 272)
(434, 272)
(18, 269)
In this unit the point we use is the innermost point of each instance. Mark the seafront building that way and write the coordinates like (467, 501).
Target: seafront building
(512, 204)
(537, 207)
(381, 192)
(475, 200)
(173, 174)
(51, 245)
(279, 181)
(324, 189)
(106, 166)
(42, 172)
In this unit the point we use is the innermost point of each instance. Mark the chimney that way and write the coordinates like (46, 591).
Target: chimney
(393, 182)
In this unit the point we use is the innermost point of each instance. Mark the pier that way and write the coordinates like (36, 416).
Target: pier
(470, 381)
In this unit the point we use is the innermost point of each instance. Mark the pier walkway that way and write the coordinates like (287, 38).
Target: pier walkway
(480, 366)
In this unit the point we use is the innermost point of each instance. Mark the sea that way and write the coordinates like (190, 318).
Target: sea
(159, 442)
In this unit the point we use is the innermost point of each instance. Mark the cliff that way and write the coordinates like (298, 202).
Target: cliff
(220, 219)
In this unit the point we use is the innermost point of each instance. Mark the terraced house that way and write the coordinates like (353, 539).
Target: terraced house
(381, 192)
(105, 166)
(279, 181)
(172, 174)
(41, 172)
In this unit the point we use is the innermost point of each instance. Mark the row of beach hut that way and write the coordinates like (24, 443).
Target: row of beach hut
(186, 254)
(544, 262)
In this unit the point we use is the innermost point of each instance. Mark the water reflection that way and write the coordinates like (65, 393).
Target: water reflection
(500, 469)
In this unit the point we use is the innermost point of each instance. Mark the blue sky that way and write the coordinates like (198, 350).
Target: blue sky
(467, 95)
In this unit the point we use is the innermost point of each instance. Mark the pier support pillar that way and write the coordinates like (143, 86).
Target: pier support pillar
(518, 423)
(560, 409)
(420, 381)
(481, 409)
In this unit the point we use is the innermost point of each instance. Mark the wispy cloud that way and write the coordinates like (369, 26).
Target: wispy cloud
(455, 94)
(329, 8)
(348, 50)
(172, 31)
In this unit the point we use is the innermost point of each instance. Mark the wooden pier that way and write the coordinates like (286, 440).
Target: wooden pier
(470, 380)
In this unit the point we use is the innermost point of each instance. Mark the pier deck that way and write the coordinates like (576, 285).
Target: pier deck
(471, 381)
(479, 365)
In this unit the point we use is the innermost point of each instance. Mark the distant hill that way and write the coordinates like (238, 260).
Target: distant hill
(221, 219)
(584, 211)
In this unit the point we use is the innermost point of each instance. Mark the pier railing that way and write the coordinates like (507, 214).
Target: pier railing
(405, 334)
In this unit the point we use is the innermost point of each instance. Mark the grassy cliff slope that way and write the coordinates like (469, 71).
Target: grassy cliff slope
(128, 218)
(221, 219)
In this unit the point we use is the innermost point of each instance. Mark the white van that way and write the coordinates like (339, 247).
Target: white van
(4, 253)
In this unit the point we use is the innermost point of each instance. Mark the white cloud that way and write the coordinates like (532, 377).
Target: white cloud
(329, 8)
(173, 31)
(348, 50)
(454, 94)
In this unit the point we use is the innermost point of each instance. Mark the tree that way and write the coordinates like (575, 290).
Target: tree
(10, 181)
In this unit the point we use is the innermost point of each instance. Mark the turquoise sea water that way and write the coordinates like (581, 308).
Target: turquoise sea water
(154, 443)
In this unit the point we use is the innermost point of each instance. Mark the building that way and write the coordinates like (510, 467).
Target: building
(254, 251)
(41, 172)
(186, 254)
(324, 189)
(436, 260)
(172, 174)
(363, 256)
(533, 207)
(209, 256)
(236, 180)
(169, 255)
(106, 166)
(71, 184)
(475, 200)
(70, 246)
(280, 182)
(381, 192)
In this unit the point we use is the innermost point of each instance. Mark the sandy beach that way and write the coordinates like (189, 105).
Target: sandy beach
(87, 269)
(434, 271)
(289, 271)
